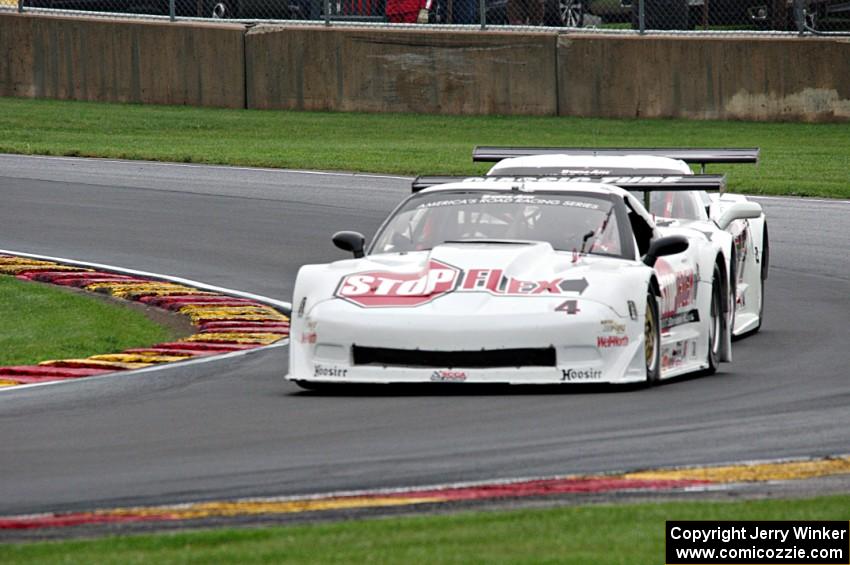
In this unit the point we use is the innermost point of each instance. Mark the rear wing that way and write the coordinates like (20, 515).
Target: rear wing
(633, 182)
(423, 182)
(697, 156)
(645, 184)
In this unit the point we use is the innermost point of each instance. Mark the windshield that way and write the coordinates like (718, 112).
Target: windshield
(569, 222)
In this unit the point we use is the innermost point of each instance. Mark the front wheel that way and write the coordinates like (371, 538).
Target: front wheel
(652, 339)
(715, 322)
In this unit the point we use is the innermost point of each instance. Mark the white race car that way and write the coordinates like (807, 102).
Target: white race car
(697, 209)
(519, 280)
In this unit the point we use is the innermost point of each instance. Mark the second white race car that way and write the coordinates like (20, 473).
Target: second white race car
(519, 280)
(698, 209)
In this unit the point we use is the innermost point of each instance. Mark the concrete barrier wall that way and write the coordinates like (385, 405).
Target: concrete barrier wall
(379, 70)
(122, 61)
(429, 71)
(806, 79)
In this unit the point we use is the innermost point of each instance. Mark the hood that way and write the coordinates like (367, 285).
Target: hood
(491, 269)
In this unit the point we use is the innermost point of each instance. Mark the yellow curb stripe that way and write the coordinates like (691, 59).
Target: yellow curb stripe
(5, 382)
(236, 317)
(243, 508)
(94, 363)
(134, 295)
(15, 269)
(780, 471)
(23, 261)
(137, 358)
(123, 289)
(250, 311)
(211, 309)
(264, 338)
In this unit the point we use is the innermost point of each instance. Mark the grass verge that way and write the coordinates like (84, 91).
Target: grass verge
(577, 534)
(797, 159)
(38, 323)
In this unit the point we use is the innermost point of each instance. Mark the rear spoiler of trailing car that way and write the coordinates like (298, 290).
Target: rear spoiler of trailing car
(644, 183)
(688, 155)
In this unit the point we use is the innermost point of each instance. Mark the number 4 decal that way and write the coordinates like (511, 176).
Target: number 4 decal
(568, 306)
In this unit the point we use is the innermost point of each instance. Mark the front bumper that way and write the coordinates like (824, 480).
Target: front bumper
(593, 345)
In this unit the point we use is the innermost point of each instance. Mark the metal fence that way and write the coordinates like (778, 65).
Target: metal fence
(808, 17)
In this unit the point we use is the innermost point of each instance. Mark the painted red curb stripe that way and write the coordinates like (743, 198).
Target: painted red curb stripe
(49, 371)
(30, 274)
(66, 520)
(250, 343)
(546, 487)
(83, 281)
(82, 364)
(45, 276)
(26, 379)
(204, 346)
(65, 277)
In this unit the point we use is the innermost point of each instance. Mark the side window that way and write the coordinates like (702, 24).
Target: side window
(642, 231)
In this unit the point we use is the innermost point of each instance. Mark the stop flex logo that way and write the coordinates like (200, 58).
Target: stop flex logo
(376, 289)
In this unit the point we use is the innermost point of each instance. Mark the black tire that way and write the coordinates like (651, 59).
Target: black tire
(715, 321)
(564, 13)
(732, 303)
(652, 339)
(765, 264)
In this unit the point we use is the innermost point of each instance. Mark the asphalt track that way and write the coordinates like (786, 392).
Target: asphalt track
(235, 428)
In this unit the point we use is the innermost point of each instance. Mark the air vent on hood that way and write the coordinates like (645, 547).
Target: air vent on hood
(482, 358)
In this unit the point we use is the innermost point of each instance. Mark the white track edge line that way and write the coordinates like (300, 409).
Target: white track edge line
(205, 359)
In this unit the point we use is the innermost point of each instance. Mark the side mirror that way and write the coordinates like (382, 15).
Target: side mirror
(350, 241)
(662, 246)
(738, 211)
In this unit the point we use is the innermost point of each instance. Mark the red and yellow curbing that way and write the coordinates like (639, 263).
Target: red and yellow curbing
(650, 481)
(225, 323)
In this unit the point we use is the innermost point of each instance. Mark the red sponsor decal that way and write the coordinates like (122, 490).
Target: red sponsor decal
(448, 376)
(382, 289)
(385, 289)
(605, 341)
(308, 337)
(678, 290)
